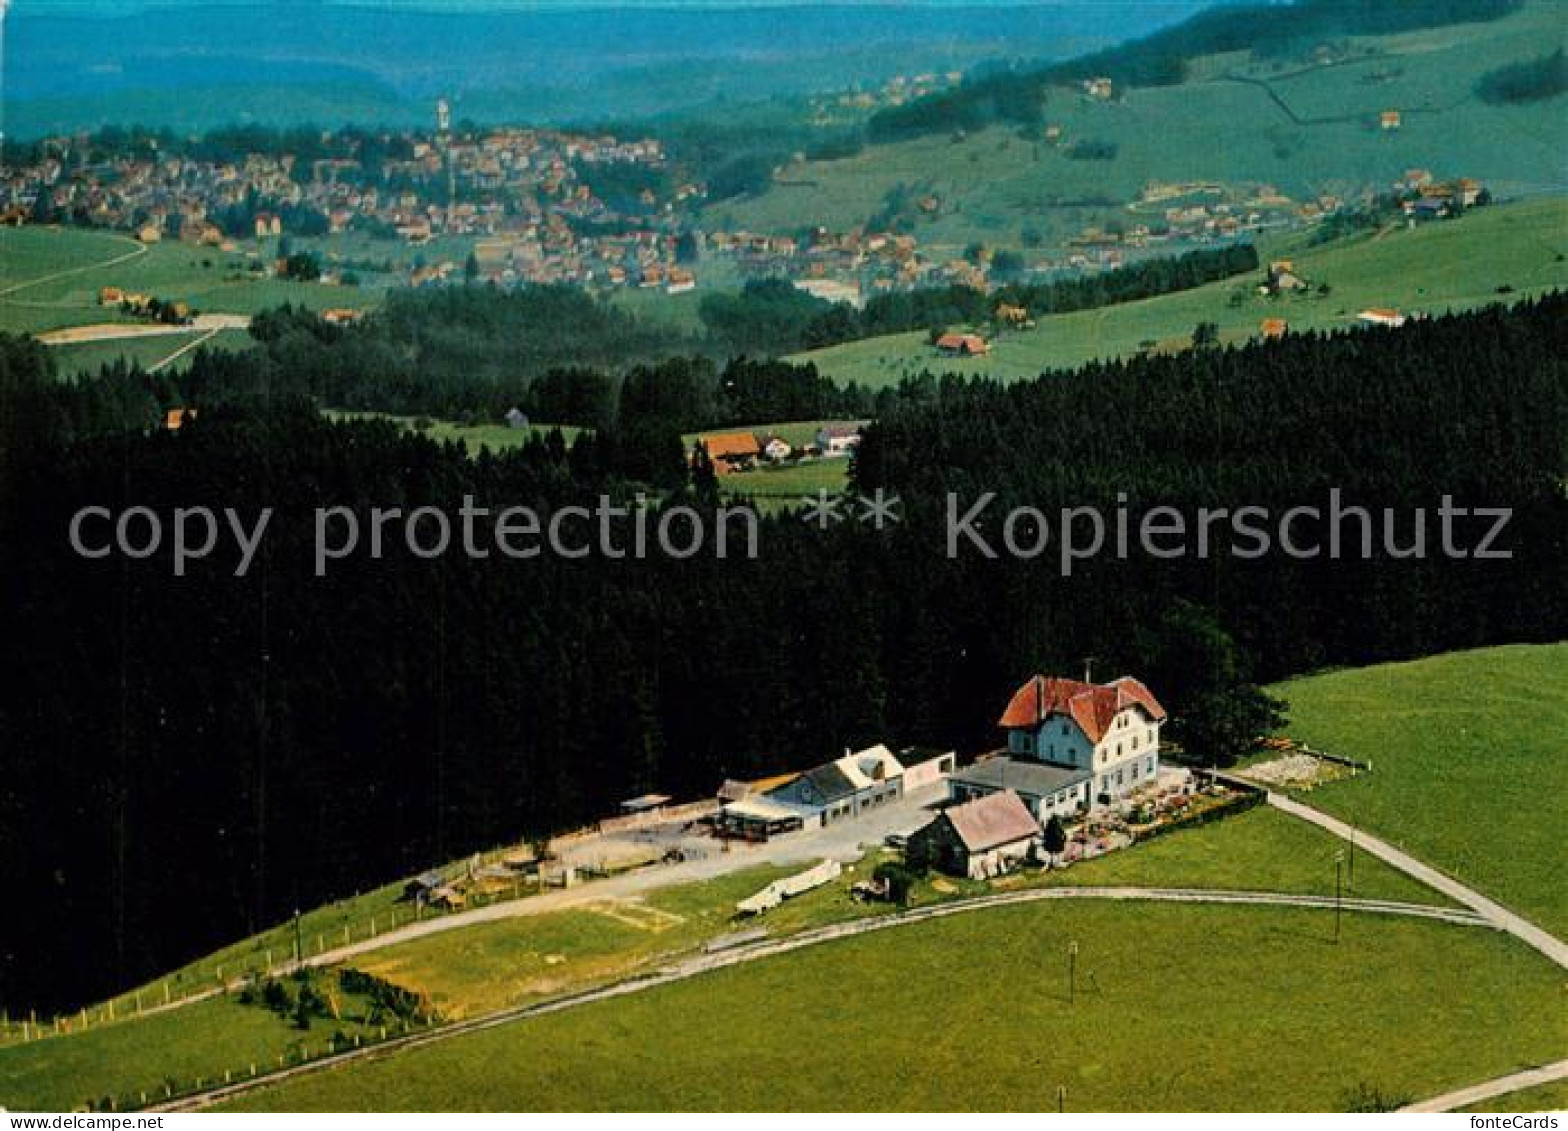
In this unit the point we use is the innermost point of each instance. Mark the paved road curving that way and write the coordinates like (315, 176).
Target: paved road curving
(1493, 912)
(1492, 1089)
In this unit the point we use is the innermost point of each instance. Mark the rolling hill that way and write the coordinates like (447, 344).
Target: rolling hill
(1305, 127)
(1490, 255)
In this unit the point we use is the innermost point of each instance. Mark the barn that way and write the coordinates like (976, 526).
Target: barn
(980, 838)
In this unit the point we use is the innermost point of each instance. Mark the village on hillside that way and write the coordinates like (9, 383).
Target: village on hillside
(540, 206)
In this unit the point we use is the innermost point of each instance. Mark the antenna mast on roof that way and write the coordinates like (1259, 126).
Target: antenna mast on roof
(1088, 669)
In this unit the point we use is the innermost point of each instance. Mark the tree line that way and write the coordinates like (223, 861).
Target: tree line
(470, 353)
(771, 316)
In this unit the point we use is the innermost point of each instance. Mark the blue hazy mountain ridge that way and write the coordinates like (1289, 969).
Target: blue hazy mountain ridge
(80, 64)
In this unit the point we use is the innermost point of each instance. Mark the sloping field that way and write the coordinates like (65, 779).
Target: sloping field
(1305, 129)
(1431, 269)
(50, 278)
(1176, 1008)
(1470, 757)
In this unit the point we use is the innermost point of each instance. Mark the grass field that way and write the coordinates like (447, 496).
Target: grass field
(123, 1060)
(1470, 767)
(51, 278)
(994, 183)
(504, 963)
(87, 357)
(1260, 850)
(1177, 1008)
(493, 965)
(1431, 269)
(773, 487)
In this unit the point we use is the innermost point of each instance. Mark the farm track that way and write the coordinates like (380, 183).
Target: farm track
(704, 963)
(1492, 1089)
(1489, 910)
(185, 349)
(140, 250)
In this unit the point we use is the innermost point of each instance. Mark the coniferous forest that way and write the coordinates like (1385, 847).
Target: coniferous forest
(191, 758)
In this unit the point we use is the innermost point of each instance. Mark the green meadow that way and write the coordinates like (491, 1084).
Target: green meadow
(76, 358)
(497, 964)
(509, 962)
(124, 1060)
(1543, 1097)
(51, 278)
(1495, 254)
(1469, 764)
(1220, 126)
(969, 1012)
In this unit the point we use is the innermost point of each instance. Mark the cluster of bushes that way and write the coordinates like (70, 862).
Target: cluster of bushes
(1533, 81)
(300, 1005)
(387, 1001)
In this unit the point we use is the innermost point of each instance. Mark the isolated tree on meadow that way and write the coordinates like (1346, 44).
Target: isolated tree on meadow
(1055, 838)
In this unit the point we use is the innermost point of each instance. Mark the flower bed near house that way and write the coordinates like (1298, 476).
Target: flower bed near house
(1200, 810)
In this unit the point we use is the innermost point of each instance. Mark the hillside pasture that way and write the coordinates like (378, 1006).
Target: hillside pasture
(1303, 127)
(509, 962)
(474, 437)
(1267, 1012)
(1469, 768)
(79, 358)
(1495, 254)
(121, 1061)
(52, 278)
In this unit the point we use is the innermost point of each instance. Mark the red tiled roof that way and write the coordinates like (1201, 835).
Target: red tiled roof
(730, 445)
(964, 343)
(1092, 706)
(992, 820)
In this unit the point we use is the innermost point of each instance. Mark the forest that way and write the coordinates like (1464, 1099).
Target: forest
(191, 758)
(472, 352)
(1534, 80)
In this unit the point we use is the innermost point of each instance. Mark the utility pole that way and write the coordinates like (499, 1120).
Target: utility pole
(1339, 861)
(1061, 1098)
(1352, 858)
(299, 948)
(1072, 972)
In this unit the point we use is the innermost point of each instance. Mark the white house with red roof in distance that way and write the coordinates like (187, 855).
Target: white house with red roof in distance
(1071, 746)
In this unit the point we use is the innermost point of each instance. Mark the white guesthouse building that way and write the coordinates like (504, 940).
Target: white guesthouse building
(1071, 746)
